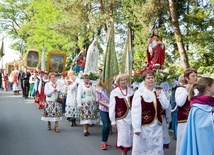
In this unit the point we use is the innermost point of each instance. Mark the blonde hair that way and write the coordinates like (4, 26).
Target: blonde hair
(70, 73)
(101, 84)
(119, 77)
(201, 86)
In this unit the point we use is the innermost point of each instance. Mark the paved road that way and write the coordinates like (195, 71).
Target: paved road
(23, 133)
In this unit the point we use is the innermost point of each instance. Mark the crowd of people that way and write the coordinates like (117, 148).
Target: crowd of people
(140, 116)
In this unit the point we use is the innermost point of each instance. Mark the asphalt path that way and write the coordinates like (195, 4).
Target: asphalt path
(23, 133)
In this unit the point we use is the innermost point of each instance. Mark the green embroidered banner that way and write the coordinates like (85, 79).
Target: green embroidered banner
(110, 61)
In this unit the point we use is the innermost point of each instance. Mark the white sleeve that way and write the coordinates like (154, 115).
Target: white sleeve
(73, 86)
(136, 111)
(79, 94)
(31, 80)
(48, 91)
(36, 84)
(180, 96)
(163, 100)
(112, 109)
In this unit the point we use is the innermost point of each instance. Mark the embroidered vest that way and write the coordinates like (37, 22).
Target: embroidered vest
(183, 112)
(122, 107)
(150, 112)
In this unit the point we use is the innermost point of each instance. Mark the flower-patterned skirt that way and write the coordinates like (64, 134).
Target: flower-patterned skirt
(52, 111)
(89, 113)
(71, 111)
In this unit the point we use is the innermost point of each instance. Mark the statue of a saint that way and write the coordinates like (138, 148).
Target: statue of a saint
(92, 58)
(155, 50)
(79, 62)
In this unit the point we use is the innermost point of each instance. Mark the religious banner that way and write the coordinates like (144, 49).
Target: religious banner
(127, 64)
(32, 59)
(56, 61)
(110, 61)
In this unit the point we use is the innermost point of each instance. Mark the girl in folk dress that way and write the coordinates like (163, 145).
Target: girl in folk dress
(41, 89)
(36, 87)
(87, 104)
(146, 118)
(40, 82)
(198, 136)
(120, 113)
(16, 82)
(71, 109)
(32, 81)
(52, 110)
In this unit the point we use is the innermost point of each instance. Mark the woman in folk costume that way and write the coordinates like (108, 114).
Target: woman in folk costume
(16, 82)
(183, 103)
(92, 58)
(62, 82)
(5, 78)
(87, 105)
(103, 98)
(71, 110)
(199, 134)
(146, 117)
(120, 113)
(52, 110)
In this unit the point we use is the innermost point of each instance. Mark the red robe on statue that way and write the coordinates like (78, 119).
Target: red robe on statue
(155, 51)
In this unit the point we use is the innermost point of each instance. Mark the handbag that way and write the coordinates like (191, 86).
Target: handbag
(60, 98)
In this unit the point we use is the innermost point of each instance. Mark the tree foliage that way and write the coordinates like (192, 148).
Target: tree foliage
(72, 24)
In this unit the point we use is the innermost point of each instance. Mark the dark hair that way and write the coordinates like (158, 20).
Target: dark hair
(187, 72)
(85, 76)
(100, 69)
(148, 72)
(201, 86)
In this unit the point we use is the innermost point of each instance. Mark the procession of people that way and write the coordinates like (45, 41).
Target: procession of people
(140, 116)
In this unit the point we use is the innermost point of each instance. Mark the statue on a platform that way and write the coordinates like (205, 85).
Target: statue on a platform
(79, 62)
(92, 58)
(155, 50)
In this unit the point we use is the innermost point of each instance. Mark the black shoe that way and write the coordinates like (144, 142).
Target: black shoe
(86, 133)
(72, 123)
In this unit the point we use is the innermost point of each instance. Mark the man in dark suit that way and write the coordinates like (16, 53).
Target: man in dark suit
(25, 76)
(0, 78)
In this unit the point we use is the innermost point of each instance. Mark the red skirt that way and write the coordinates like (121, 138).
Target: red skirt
(36, 98)
(42, 95)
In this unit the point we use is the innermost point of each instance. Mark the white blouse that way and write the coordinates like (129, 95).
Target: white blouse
(181, 96)
(49, 91)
